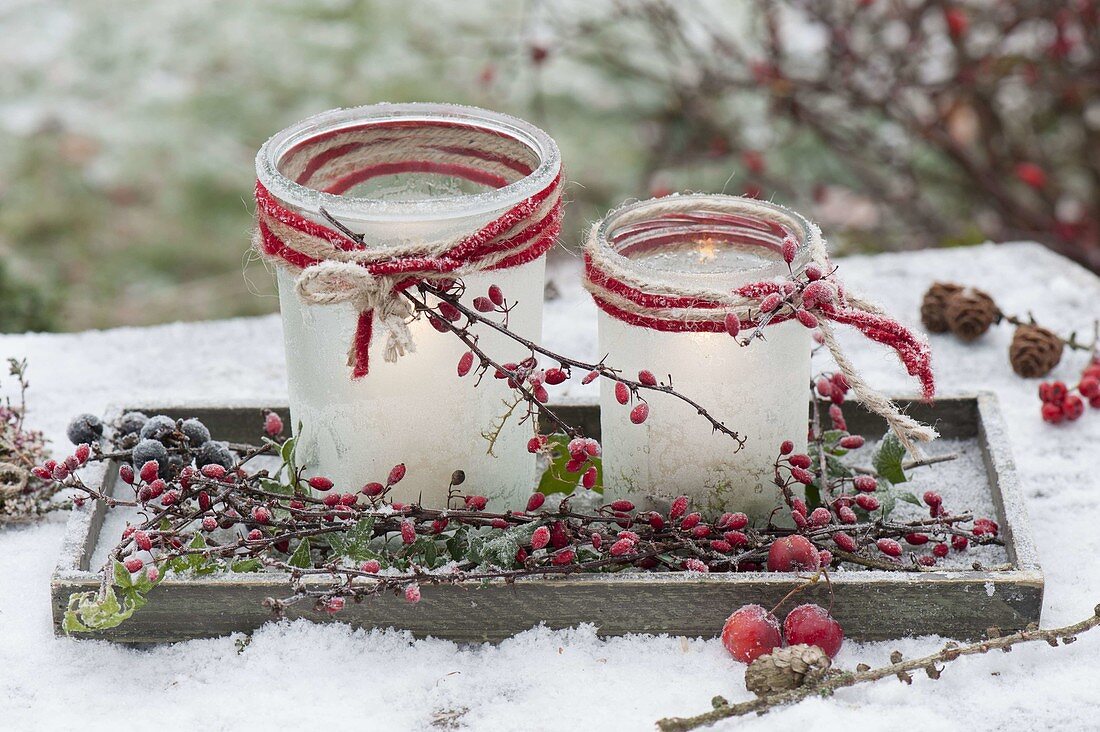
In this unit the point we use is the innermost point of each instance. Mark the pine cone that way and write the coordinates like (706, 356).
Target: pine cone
(969, 313)
(934, 304)
(786, 668)
(1034, 351)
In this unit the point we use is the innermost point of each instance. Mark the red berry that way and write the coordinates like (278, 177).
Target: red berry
(213, 471)
(695, 565)
(802, 476)
(590, 377)
(320, 483)
(209, 523)
(812, 625)
(733, 521)
(825, 387)
(806, 318)
(1058, 392)
(844, 541)
(865, 484)
(679, 508)
(143, 541)
(622, 393)
(735, 538)
(541, 395)
(261, 515)
(940, 550)
(957, 21)
(1052, 413)
(255, 535)
(790, 249)
(889, 547)
(916, 539)
(126, 473)
(820, 516)
(690, 521)
(646, 377)
(408, 532)
(701, 531)
(273, 424)
(751, 632)
(535, 502)
(786, 448)
(371, 566)
(588, 480)
(866, 502)
(476, 503)
(170, 498)
(133, 564)
(372, 489)
(536, 443)
(733, 324)
(798, 506)
(851, 442)
(771, 302)
(332, 500)
(1073, 406)
(813, 272)
(1089, 387)
(496, 295)
(558, 535)
(926, 561)
(622, 505)
(639, 413)
(597, 540)
(622, 547)
(540, 537)
(985, 526)
(149, 471)
(959, 543)
(499, 523)
(800, 461)
(449, 311)
(565, 556)
(792, 553)
(1031, 174)
(932, 498)
(846, 515)
(412, 594)
(396, 474)
(83, 452)
(465, 363)
(483, 305)
(799, 519)
(555, 376)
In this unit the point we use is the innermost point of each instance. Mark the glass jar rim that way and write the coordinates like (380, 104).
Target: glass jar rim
(367, 209)
(701, 203)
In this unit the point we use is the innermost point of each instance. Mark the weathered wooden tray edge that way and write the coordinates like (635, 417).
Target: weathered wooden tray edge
(872, 606)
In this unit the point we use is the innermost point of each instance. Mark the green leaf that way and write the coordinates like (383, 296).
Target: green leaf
(300, 558)
(888, 458)
(557, 479)
(246, 565)
(122, 575)
(909, 498)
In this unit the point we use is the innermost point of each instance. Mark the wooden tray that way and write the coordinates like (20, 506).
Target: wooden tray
(870, 605)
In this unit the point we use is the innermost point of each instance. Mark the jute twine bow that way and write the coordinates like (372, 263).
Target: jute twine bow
(333, 268)
(647, 299)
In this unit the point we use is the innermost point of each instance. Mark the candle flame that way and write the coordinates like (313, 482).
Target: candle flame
(707, 250)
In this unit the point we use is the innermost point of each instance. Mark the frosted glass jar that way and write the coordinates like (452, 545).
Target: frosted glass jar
(417, 410)
(760, 390)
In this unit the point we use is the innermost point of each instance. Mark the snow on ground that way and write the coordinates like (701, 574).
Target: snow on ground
(299, 673)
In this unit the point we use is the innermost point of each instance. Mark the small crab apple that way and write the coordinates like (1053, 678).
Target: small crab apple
(791, 554)
(750, 632)
(812, 625)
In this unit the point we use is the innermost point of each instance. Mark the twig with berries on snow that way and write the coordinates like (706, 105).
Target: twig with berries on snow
(898, 667)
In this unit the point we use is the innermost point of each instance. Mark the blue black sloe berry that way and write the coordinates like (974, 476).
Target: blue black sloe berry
(147, 450)
(158, 428)
(130, 423)
(216, 453)
(85, 428)
(196, 432)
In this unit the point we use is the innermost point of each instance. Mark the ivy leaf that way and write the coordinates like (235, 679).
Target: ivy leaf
(300, 558)
(887, 460)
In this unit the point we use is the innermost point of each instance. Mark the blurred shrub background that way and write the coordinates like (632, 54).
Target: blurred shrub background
(128, 130)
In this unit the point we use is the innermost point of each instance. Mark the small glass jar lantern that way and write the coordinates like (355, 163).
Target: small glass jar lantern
(675, 253)
(419, 178)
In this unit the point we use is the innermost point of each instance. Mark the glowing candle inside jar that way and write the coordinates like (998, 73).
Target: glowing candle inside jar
(758, 390)
(460, 169)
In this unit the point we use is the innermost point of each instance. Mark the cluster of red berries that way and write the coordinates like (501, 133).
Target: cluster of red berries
(752, 631)
(60, 470)
(1061, 403)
